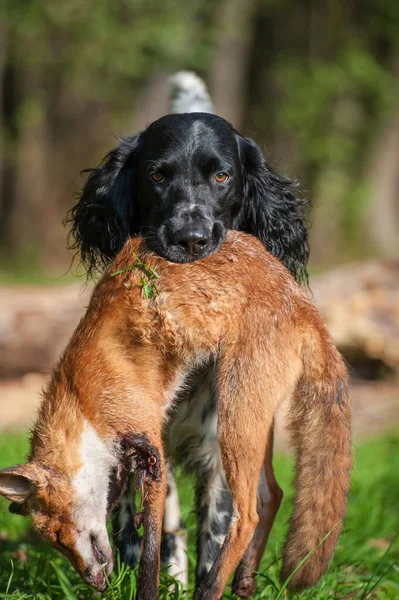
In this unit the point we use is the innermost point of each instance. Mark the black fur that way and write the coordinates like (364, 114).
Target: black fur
(121, 199)
(213, 519)
(101, 220)
(273, 210)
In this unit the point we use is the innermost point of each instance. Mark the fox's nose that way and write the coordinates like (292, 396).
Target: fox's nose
(193, 241)
(100, 582)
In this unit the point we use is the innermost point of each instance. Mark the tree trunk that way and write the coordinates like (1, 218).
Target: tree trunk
(229, 66)
(382, 221)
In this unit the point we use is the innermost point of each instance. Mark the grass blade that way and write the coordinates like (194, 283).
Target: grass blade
(64, 582)
(11, 577)
(378, 581)
(368, 583)
(124, 270)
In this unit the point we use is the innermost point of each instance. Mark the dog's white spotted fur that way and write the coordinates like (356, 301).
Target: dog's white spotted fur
(189, 94)
(177, 561)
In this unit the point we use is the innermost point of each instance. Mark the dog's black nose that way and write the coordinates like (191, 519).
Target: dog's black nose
(192, 241)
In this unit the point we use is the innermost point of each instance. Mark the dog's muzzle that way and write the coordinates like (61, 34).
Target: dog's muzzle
(188, 243)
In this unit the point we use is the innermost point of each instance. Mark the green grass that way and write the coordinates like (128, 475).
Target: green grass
(366, 564)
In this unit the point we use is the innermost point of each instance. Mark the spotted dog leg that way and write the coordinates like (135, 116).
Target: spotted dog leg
(174, 538)
(193, 442)
(127, 538)
(214, 511)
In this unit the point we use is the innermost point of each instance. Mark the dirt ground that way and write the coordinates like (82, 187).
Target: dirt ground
(375, 406)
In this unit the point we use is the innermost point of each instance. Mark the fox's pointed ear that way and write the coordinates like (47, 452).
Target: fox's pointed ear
(18, 483)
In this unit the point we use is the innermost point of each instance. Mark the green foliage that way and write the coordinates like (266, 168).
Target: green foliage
(325, 104)
(365, 565)
(335, 108)
(101, 47)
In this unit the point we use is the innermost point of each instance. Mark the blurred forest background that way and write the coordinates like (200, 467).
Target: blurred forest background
(315, 83)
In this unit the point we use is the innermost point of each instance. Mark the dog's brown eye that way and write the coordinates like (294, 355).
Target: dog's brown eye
(157, 177)
(221, 177)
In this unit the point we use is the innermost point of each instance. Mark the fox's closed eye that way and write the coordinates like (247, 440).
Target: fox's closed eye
(59, 540)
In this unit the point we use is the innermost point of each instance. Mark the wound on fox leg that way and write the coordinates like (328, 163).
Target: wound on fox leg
(145, 458)
(145, 463)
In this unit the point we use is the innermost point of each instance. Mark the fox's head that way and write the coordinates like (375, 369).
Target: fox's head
(70, 510)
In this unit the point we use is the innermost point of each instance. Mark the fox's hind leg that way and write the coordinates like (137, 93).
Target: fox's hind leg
(269, 499)
(242, 459)
(250, 387)
(246, 406)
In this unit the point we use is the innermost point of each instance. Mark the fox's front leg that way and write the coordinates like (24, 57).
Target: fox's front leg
(150, 476)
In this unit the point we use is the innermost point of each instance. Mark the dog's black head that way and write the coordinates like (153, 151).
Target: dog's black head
(189, 183)
(182, 183)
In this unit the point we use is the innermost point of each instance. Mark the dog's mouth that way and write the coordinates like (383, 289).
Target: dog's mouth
(183, 252)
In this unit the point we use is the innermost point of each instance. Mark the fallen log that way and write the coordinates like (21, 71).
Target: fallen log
(360, 303)
(35, 325)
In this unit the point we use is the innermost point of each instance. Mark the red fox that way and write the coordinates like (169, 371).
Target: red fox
(104, 410)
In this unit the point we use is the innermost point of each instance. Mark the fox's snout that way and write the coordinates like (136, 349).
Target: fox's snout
(97, 574)
(97, 561)
(98, 580)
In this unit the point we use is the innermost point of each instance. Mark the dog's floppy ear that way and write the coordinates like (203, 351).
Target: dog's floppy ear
(273, 211)
(102, 219)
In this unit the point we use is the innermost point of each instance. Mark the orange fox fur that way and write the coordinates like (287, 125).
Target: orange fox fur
(111, 391)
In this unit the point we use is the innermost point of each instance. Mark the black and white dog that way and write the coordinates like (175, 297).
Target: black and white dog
(182, 183)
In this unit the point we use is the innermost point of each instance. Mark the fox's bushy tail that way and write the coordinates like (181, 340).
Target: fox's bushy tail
(321, 436)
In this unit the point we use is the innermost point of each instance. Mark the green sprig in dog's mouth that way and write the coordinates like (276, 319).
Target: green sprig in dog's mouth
(148, 276)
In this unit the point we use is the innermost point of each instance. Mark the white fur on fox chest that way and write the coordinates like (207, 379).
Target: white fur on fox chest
(91, 486)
